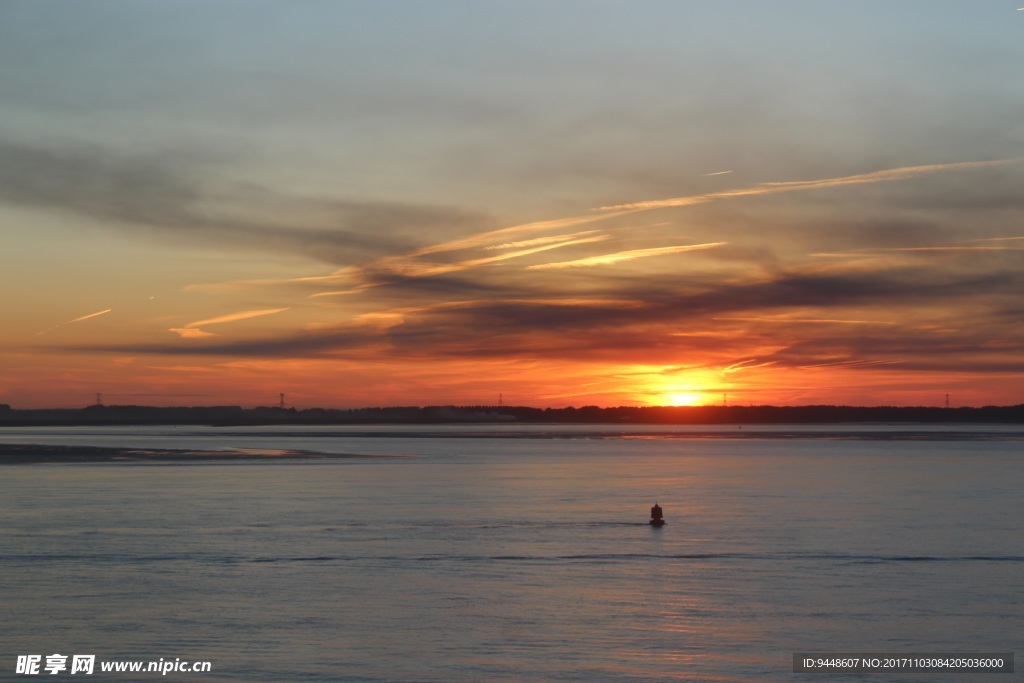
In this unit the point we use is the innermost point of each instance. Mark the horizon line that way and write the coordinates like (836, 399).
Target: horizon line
(5, 407)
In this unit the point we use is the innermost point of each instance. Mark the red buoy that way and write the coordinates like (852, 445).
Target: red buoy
(657, 516)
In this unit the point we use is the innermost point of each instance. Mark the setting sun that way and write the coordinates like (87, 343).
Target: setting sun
(684, 398)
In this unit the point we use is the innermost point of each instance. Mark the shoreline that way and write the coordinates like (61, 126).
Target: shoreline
(237, 416)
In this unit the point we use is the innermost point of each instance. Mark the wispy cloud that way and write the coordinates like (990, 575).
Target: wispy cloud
(608, 259)
(413, 264)
(851, 364)
(632, 321)
(960, 248)
(194, 331)
(76, 320)
(490, 295)
(384, 270)
(435, 260)
(490, 237)
(91, 315)
(817, 321)
(749, 364)
(542, 240)
(793, 186)
(940, 249)
(180, 198)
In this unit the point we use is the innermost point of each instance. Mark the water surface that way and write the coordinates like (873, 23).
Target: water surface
(498, 553)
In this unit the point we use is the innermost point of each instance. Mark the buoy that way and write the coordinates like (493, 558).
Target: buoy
(657, 516)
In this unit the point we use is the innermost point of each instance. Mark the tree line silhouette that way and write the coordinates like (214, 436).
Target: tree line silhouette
(736, 414)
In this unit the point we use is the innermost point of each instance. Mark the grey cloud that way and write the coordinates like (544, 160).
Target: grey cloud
(95, 182)
(179, 198)
(664, 320)
(947, 352)
(332, 343)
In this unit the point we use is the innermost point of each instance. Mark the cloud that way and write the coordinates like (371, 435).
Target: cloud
(766, 305)
(193, 331)
(386, 270)
(607, 259)
(91, 315)
(428, 261)
(749, 364)
(947, 352)
(76, 320)
(542, 240)
(642, 319)
(989, 253)
(305, 344)
(447, 257)
(792, 186)
(232, 317)
(850, 364)
(484, 239)
(179, 198)
(883, 250)
(809, 321)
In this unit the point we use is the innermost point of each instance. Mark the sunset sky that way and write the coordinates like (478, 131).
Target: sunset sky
(581, 202)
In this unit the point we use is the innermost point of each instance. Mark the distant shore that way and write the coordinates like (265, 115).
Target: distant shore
(129, 415)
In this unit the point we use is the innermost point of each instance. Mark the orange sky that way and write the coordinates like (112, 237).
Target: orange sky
(631, 214)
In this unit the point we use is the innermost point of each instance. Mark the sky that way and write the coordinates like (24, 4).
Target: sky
(581, 202)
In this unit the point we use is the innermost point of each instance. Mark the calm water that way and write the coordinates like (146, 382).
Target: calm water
(490, 554)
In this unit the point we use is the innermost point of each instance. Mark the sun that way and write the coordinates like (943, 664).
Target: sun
(684, 398)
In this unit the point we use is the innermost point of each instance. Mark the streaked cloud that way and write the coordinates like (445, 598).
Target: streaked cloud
(385, 270)
(191, 333)
(642, 317)
(749, 364)
(888, 175)
(810, 321)
(618, 257)
(542, 240)
(194, 331)
(183, 198)
(490, 237)
(851, 364)
(76, 320)
(91, 315)
(940, 249)
(949, 248)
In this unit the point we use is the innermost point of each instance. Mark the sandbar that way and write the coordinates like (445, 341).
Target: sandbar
(28, 454)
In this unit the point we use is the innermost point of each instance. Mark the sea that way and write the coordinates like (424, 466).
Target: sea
(451, 553)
